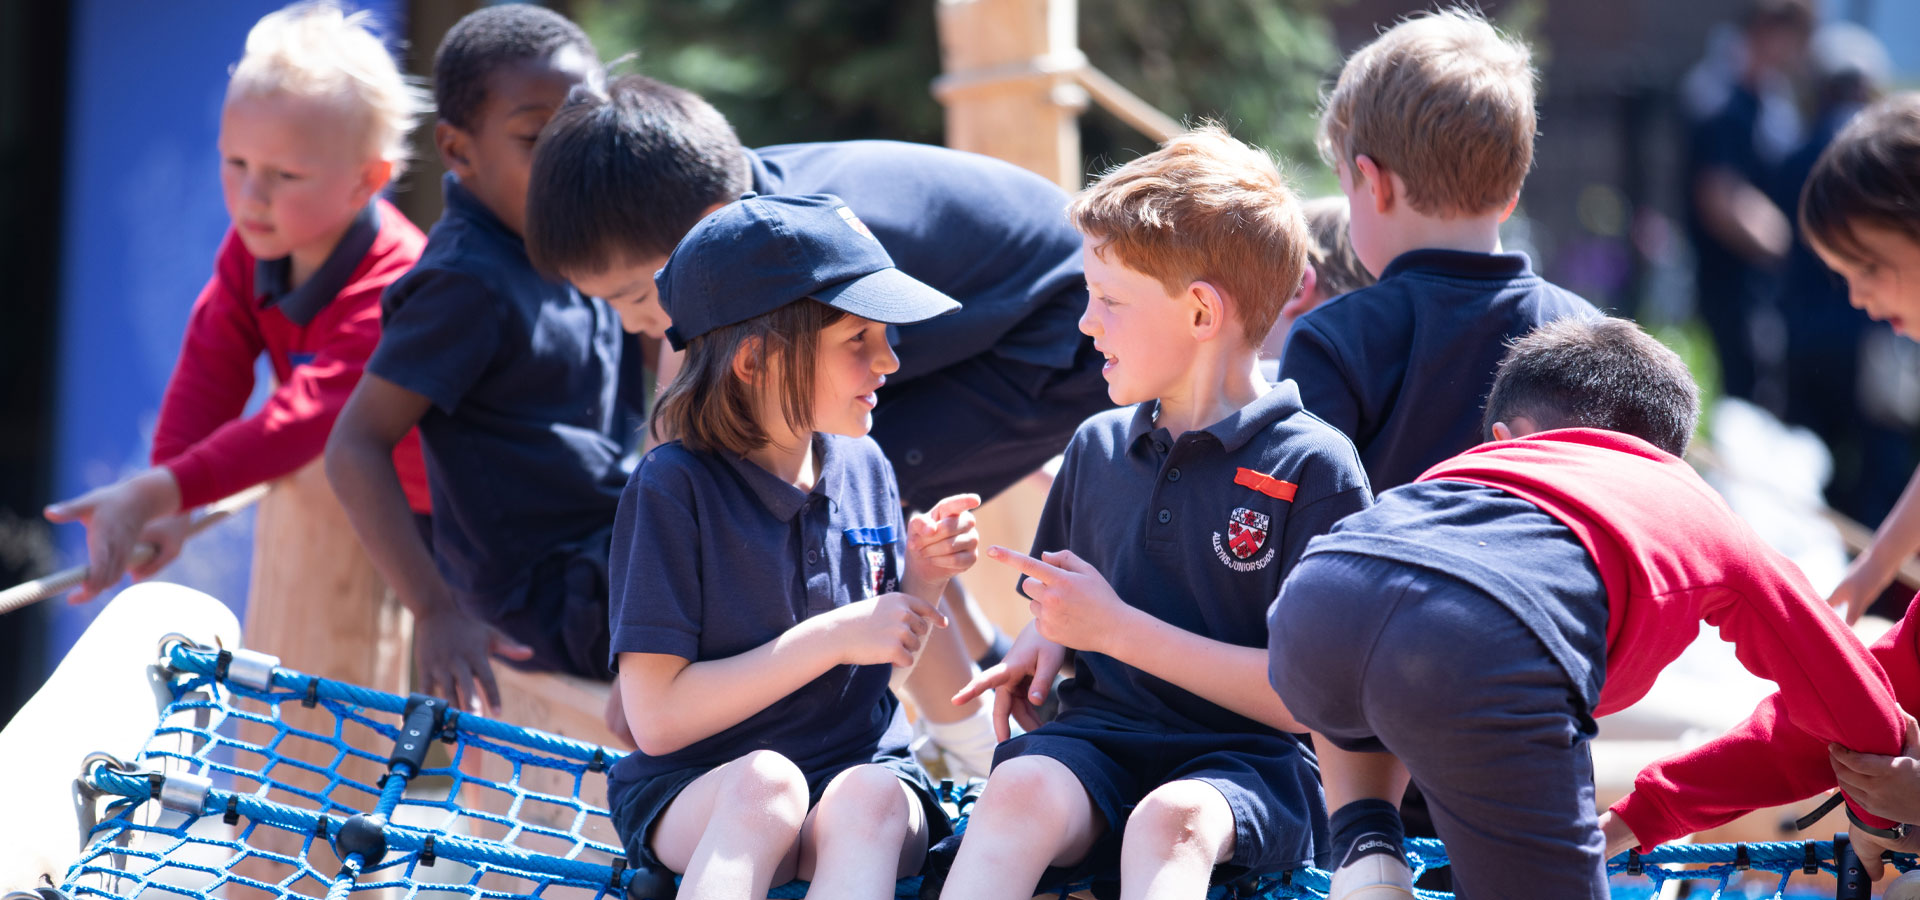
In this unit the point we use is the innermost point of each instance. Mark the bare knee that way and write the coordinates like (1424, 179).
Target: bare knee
(1182, 819)
(768, 787)
(865, 800)
(1031, 794)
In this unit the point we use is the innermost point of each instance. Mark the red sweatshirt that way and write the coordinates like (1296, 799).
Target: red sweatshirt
(1671, 553)
(201, 437)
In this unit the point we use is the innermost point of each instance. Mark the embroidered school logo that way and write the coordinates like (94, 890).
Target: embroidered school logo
(879, 575)
(1246, 534)
(854, 222)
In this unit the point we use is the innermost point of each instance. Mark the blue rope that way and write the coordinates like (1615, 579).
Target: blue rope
(205, 699)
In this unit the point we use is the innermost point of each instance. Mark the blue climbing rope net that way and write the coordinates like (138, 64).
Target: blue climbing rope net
(237, 795)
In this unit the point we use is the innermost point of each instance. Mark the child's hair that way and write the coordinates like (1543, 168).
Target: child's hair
(1445, 101)
(1203, 207)
(1869, 175)
(627, 174)
(1335, 265)
(709, 408)
(487, 39)
(1799, 15)
(1597, 372)
(318, 50)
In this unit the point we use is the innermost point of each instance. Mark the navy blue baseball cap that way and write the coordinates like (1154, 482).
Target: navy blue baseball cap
(758, 254)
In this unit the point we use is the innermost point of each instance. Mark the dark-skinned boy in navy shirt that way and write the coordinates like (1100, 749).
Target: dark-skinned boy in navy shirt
(511, 378)
(1403, 366)
(1167, 532)
(983, 397)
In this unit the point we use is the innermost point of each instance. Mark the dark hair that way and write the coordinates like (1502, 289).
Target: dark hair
(487, 39)
(1796, 14)
(1869, 175)
(627, 174)
(1600, 372)
(709, 408)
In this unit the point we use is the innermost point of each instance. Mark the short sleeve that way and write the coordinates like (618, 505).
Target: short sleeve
(1055, 531)
(439, 333)
(1317, 517)
(1309, 360)
(653, 567)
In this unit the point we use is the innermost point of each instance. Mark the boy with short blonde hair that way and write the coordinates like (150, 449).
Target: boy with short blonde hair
(1165, 536)
(314, 127)
(1431, 130)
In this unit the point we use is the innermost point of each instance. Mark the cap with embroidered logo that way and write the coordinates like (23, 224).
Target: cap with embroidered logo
(758, 254)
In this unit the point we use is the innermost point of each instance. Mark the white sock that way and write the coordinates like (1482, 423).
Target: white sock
(968, 743)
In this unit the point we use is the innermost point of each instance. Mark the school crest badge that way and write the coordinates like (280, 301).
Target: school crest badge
(1246, 536)
(879, 573)
(854, 222)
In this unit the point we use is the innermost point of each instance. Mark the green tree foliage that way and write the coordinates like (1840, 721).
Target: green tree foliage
(813, 70)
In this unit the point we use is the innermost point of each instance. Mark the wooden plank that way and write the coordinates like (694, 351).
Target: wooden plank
(104, 697)
(1009, 89)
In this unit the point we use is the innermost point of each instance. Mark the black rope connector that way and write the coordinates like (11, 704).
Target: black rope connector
(320, 828)
(1634, 865)
(312, 699)
(422, 719)
(599, 761)
(450, 727)
(365, 834)
(427, 857)
(1741, 860)
(1810, 865)
(221, 663)
(232, 815)
(647, 884)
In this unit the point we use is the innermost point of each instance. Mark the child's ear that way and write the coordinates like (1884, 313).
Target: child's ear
(1512, 204)
(1208, 309)
(373, 178)
(1303, 300)
(1378, 186)
(454, 145)
(747, 361)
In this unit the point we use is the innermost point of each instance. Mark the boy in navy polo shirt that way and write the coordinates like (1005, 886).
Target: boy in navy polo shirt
(764, 578)
(1167, 532)
(1431, 129)
(511, 378)
(983, 398)
(1474, 623)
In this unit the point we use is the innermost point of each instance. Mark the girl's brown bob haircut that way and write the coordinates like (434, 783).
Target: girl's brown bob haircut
(709, 408)
(1869, 175)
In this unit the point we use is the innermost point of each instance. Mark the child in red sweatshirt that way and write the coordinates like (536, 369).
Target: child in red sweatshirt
(314, 126)
(1859, 214)
(1474, 623)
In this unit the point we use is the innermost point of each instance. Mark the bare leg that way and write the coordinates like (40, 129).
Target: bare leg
(734, 832)
(867, 831)
(1174, 838)
(1033, 814)
(944, 668)
(1350, 776)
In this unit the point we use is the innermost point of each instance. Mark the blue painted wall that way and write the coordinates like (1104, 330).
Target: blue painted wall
(143, 219)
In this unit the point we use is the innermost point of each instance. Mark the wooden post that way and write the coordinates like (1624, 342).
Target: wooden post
(1009, 88)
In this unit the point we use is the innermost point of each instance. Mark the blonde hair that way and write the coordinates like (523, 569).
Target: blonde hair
(1203, 207)
(318, 50)
(1444, 100)
(1338, 268)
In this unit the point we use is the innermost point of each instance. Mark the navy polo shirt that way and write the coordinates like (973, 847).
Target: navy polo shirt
(521, 452)
(1503, 546)
(713, 556)
(1403, 366)
(987, 233)
(1197, 530)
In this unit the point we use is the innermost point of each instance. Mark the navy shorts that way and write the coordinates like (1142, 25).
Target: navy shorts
(563, 612)
(635, 807)
(1271, 783)
(1375, 655)
(983, 423)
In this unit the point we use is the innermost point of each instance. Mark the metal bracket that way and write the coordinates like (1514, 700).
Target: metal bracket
(252, 670)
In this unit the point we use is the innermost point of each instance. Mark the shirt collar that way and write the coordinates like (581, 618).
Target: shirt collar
(1233, 431)
(1460, 264)
(780, 497)
(302, 304)
(767, 177)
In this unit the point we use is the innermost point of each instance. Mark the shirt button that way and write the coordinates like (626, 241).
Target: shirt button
(1159, 447)
(1173, 474)
(1166, 515)
(813, 557)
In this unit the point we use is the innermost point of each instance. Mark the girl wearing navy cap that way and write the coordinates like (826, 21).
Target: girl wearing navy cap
(764, 583)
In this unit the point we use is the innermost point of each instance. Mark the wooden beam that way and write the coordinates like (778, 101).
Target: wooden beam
(1009, 87)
